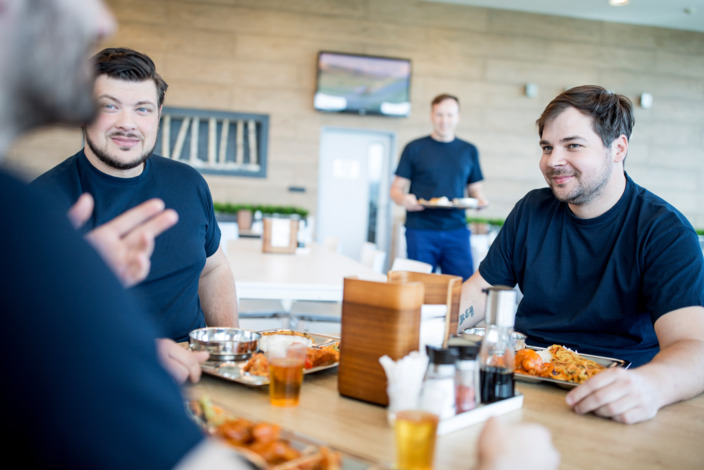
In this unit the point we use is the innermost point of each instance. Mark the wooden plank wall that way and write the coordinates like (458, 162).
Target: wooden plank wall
(259, 56)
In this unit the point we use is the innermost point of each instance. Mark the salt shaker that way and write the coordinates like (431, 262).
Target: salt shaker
(438, 394)
(466, 378)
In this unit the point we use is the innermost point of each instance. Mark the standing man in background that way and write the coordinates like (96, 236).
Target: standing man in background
(431, 167)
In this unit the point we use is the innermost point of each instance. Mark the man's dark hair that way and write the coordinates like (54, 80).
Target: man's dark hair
(130, 65)
(612, 113)
(445, 96)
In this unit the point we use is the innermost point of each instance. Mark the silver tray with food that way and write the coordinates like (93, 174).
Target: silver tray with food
(445, 203)
(560, 365)
(323, 353)
(268, 447)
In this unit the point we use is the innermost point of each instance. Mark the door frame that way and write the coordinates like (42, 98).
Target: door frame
(386, 185)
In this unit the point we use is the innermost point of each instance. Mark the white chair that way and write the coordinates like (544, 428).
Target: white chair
(333, 244)
(378, 261)
(228, 231)
(405, 264)
(367, 254)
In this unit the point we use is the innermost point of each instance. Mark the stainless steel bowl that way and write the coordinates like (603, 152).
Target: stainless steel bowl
(476, 334)
(224, 344)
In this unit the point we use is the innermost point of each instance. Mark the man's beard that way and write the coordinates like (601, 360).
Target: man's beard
(113, 162)
(586, 191)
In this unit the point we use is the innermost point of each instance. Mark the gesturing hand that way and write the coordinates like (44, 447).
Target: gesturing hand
(126, 242)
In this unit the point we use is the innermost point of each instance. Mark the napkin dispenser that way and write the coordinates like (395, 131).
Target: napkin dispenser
(280, 235)
(378, 319)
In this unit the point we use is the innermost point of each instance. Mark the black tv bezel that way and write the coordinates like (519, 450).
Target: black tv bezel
(361, 112)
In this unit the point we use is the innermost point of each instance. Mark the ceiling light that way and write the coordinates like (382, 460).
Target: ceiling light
(618, 3)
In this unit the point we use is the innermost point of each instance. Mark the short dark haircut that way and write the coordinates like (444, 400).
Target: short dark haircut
(445, 96)
(130, 65)
(612, 113)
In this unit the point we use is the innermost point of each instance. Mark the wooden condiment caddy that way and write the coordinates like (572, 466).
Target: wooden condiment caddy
(378, 318)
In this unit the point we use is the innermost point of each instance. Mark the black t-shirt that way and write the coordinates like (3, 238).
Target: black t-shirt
(83, 387)
(597, 285)
(439, 169)
(170, 292)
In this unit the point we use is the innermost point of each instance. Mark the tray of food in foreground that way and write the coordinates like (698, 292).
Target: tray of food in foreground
(323, 353)
(445, 203)
(559, 365)
(267, 446)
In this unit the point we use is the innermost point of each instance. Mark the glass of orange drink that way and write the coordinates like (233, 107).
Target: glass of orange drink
(415, 432)
(286, 374)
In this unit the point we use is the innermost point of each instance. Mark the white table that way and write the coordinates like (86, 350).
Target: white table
(314, 273)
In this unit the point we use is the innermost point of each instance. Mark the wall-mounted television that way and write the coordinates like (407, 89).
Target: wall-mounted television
(363, 84)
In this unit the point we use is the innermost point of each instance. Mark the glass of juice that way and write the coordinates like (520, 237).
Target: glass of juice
(415, 432)
(286, 374)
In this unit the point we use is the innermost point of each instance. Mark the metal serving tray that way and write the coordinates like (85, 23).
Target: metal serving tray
(298, 441)
(604, 361)
(457, 203)
(234, 370)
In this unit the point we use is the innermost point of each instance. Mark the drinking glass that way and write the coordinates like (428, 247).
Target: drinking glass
(286, 374)
(415, 432)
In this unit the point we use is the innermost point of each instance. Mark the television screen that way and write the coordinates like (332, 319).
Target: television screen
(362, 84)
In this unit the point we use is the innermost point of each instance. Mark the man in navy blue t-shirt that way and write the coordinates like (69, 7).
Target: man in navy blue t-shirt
(439, 166)
(605, 266)
(190, 284)
(83, 379)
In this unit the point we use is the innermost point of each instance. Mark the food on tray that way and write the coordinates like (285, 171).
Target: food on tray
(262, 443)
(316, 356)
(436, 201)
(556, 362)
(466, 202)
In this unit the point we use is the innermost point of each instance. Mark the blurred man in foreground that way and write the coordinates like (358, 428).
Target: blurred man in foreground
(605, 266)
(86, 387)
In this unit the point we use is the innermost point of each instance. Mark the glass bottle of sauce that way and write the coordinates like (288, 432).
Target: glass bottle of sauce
(496, 355)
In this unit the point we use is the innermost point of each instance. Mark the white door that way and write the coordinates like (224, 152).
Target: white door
(353, 188)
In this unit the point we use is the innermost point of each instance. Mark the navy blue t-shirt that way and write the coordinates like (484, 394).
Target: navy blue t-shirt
(597, 285)
(438, 169)
(83, 385)
(170, 292)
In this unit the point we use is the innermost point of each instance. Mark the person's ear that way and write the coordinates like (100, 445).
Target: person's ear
(620, 148)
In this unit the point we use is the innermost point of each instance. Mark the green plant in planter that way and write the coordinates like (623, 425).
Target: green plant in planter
(480, 220)
(229, 208)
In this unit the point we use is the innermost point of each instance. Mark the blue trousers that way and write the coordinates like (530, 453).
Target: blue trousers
(447, 249)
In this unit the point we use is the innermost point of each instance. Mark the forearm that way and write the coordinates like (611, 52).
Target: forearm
(218, 297)
(476, 190)
(472, 301)
(677, 371)
(397, 195)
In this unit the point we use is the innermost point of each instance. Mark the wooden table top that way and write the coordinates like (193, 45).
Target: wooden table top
(673, 439)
